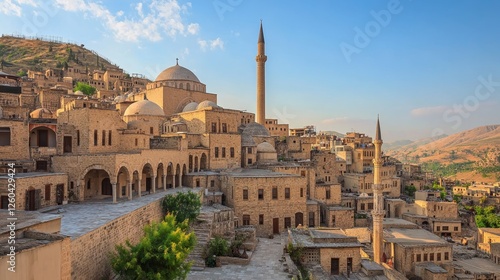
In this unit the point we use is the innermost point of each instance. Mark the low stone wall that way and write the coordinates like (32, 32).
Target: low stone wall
(90, 253)
(233, 260)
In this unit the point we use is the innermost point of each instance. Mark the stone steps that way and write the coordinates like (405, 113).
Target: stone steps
(202, 229)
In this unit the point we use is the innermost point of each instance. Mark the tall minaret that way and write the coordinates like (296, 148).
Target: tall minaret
(261, 59)
(378, 199)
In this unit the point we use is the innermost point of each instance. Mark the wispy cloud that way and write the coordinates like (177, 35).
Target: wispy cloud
(335, 120)
(212, 44)
(428, 111)
(151, 22)
(13, 7)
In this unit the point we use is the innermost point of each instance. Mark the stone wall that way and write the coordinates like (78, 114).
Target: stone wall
(326, 254)
(90, 253)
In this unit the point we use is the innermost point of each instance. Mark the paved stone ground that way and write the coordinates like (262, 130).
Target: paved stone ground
(264, 264)
(80, 218)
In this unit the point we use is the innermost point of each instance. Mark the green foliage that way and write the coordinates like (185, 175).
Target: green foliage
(160, 254)
(218, 246)
(296, 254)
(85, 88)
(22, 73)
(410, 190)
(447, 170)
(457, 198)
(182, 205)
(486, 217)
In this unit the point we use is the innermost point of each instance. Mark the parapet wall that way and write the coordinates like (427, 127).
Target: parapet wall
(90, 253)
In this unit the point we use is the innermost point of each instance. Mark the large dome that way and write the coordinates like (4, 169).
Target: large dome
(191, 106)
(265, 147)
(206, 104)
(253, 130)
(177, 72)
(144, 108)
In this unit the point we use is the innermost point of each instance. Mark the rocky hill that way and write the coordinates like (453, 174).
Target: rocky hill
(39, 54)
(475, 151)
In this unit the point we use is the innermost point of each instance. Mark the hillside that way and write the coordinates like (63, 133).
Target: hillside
(471, 152)
(38, 55)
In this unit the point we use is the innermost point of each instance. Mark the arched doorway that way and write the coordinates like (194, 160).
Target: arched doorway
(170, 176)
(299, 219)
(96, 184)
(123, 180)
(190, 163)
(178, 175)
(196, 164)
(203, 162)
(42, 136)
(159, 176)
(147, 178)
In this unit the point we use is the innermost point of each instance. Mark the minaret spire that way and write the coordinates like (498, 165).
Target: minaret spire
(261, 59)
(378, 199)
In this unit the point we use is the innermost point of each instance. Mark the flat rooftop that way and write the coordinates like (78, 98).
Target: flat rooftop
(24, 219)
(303, 237)
(392, 222)
(478, 265)
(81, 218)
(413, 237)
(255, 173)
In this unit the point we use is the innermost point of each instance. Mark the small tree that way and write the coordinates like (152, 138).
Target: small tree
(85, 88)
(161, 254)
(182, 205)
(410, 190)
(22, 73)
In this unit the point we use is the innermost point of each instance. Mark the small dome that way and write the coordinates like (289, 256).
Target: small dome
(251, 130)
(177, 72)
(265, 147)
(144, 108)
(41, 113)
(190, 107)
(78, 92)
(207, 104)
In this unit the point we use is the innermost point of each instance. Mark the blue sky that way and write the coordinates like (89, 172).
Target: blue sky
(426, 67)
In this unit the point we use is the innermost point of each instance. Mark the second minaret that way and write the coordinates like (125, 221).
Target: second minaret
(261, 59)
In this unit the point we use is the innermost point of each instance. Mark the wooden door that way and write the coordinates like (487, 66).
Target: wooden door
(276, 226)
(59, 194)
(334, 266)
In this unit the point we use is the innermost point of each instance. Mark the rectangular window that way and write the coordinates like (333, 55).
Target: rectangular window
(301, 192)
(446, 256)
(103, 142)
(78, 137)
(245, 194)
(275, 193)
(261, 194)
(328, 195)
(216, 152)
(67, 144)
(249, 150)
(246, 220)
(431, 257)
(151, 130)
(224, 128)
(455, 229)
(445, 228)
(47, 192)
(223, 152)
(212, 184)
(419, 258)
(95, 138)
(362, 206)
(370, 205)
(311, 219)
(109, 137)
(261, 219)
(136, 142)
(287, 193)
(288, 222)
(438, 228)
(425, 257)
(249, 161)
(214, 127)
(438, 257)
(231, 152)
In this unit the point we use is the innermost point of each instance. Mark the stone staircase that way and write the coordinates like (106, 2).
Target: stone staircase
(202, 229)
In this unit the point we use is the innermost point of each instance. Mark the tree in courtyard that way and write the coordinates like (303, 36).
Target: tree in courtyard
(410, 190)
(161, 254)
(182, 205)
(85, 88)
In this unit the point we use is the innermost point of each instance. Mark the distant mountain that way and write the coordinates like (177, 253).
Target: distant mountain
(396, 144)
(37, 54)
(331, 132)
(478, 149)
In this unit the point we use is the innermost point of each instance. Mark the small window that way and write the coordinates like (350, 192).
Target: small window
(245, 194)
(249, 150)
(419, 258)
(212, 183)
(224, 152)
(328, 194)
(214, 127)
(287, 193)
(261, 194)
(78, 137)
(151, 130)
(445, 228)
(95, 138)
(249, 161)
(431, 257)
(216, 152)
(446, 256)
(275, 193)
(246, 220)
(103, 142)
(438, 257)
(261, 219)
(109, 137)
(455, 229)
(136, 142)
(425, 257)
(301, 192)
(224, 127)
(231, 152)
(438, 228)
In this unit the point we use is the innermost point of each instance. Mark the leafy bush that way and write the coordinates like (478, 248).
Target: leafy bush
(182, 205)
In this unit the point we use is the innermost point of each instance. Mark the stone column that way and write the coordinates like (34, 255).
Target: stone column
(173, 181)
(153, 183)
(139, 180)
(164, 182)
(129, 187)
(113, 187)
